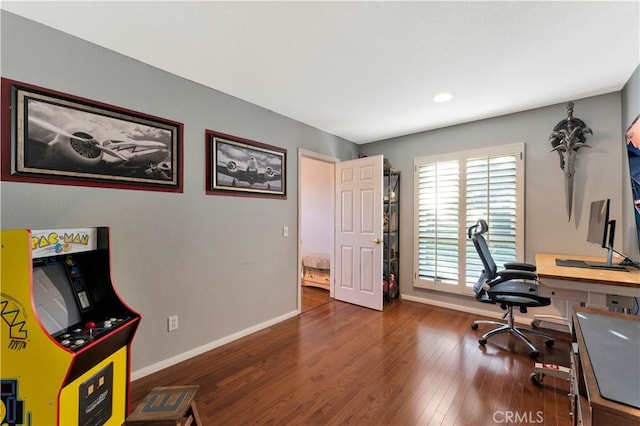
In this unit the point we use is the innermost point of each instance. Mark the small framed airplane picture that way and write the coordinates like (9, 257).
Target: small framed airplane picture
(56, 138)
(238, 166)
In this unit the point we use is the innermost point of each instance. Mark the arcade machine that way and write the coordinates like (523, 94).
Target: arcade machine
(65, 333)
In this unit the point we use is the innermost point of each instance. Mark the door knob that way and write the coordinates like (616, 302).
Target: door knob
(377, 241)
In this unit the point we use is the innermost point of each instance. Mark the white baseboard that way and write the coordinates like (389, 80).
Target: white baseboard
(138, 374)
(519, 319)
(453, 306)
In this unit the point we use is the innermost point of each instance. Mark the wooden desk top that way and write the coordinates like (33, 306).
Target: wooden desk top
(547, 268)
(604, 411)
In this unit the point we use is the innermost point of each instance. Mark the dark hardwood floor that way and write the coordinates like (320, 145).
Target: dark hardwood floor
(313, 297)
(339, 364)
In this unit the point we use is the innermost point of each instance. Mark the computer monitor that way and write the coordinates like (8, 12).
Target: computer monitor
(599, 223)
(602, 231)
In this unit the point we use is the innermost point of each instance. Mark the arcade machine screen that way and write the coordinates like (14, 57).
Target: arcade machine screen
(67, 308)
(54, 300)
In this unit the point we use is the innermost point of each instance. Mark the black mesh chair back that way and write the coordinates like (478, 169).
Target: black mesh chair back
(475, 233)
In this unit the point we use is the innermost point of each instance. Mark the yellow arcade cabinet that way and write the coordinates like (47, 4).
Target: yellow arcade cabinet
(65, 333)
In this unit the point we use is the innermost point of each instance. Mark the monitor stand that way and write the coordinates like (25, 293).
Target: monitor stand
(609, 263)
(604, 265)
(576, 263)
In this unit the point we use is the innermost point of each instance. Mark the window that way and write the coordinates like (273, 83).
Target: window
(452, 192)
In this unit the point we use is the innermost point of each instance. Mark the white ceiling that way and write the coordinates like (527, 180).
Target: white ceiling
(368, 71)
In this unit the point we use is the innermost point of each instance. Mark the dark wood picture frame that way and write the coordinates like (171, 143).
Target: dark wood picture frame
(50, 137)
(242, 167)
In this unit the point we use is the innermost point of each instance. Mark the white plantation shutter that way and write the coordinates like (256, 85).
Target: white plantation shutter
(492, 195)
(452, 193)
(439, 191)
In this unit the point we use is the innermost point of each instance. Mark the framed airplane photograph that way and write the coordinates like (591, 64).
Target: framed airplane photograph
(55, 138)
(241, 167)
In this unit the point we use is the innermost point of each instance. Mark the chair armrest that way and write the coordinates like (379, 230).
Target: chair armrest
(520, 289)
(520, 266)
(513, 274)
(515, 288)
(520, 300)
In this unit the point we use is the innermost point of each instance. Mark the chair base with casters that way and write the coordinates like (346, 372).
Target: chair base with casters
(508, 295)
(509, 327)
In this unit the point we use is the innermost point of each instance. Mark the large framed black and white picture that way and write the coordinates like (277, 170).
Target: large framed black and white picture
(238, 166)
(64, 139)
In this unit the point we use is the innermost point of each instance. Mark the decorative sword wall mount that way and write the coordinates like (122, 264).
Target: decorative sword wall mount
(567, 138)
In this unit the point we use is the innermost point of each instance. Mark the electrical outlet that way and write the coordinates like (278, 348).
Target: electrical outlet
(173, 322)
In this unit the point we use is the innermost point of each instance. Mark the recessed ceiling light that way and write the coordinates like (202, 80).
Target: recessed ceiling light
(442, 97)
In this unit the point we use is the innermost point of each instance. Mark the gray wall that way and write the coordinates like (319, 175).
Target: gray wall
(599, 175)
(219, 263)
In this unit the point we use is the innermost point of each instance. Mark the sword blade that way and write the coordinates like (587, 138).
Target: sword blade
(568, 192)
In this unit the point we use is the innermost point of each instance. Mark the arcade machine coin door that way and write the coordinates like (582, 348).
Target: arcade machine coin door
(65, 333)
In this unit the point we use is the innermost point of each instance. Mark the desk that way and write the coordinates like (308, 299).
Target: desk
(590, 287)
(604, 369)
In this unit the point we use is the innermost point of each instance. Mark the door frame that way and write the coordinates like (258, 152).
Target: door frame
(304, 153)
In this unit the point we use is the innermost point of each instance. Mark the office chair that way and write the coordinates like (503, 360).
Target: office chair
(514, 286)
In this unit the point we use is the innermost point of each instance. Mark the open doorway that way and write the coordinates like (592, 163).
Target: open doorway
(316, 229)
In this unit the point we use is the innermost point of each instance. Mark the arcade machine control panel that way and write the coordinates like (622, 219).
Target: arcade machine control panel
(86, 316)
(78, 336)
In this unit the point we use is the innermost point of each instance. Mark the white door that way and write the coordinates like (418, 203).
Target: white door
(358, 243)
